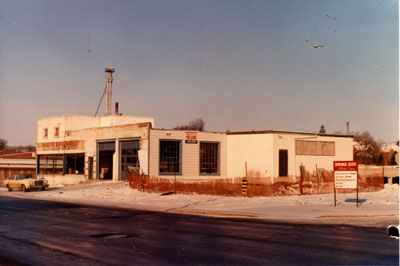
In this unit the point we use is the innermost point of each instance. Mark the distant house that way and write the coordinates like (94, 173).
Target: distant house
(363, 153)
(16, 163)
(390, 153)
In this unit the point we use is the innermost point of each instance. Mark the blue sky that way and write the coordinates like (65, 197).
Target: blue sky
(239, 65)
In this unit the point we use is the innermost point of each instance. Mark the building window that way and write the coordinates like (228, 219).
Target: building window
(46, 132)
(283, 162)
(170, 156)
(315, 148)
(74, 164)
(50, 164)
(209, 158)
(58, 164)
(56, 132)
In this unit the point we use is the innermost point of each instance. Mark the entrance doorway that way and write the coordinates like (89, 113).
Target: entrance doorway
(90, 167)
(129, 157)
(283, 163)
(106, 152)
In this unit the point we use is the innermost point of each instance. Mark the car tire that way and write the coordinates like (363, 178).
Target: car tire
(24, 189)
(8, 188)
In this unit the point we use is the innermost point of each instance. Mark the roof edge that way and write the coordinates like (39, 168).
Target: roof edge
(287, 132)
(187, 130)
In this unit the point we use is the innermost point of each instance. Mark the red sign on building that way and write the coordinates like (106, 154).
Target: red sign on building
(191, 138)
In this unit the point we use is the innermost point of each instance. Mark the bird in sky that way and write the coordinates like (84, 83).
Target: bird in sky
(329, 17)
(319, 46)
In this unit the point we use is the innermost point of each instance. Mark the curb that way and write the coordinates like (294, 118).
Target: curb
(358, 216)
(211, 213)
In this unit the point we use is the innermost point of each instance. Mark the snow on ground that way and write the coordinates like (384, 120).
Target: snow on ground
(377, 209)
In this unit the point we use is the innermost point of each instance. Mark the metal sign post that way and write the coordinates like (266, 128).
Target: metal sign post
(334, 194)
(357, 191)
(345, 176)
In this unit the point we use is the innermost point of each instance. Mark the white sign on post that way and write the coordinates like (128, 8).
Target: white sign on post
(346, 179)
(346, 174)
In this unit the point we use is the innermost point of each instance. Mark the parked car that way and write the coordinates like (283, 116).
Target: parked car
(25, 182)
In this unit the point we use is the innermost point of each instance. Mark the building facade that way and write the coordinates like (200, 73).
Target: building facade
(17, 163)
(72, 149)
(278, 155)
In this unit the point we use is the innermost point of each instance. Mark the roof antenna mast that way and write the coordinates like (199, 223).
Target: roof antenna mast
(109, 79)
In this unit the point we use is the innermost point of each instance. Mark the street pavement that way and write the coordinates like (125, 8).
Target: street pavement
(52, 233)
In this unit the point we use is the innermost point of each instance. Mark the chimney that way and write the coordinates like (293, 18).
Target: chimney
(347, 128)
(116, 108)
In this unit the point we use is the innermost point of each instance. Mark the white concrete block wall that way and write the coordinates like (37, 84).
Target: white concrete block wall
(261, 152)
(118, 120)
(64, 179)
(255, 149)
(72, 123)
(116, 133)
(190, 153)
(343, 152)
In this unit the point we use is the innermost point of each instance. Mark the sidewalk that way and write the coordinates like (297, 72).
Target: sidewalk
(376, 209)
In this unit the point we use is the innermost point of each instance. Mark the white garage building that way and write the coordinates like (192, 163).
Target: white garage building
(72, 149)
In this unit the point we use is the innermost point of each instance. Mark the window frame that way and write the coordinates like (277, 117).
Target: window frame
(179, 159)
(47, 164)
(218, 158)
(120, 148)
(77, 166)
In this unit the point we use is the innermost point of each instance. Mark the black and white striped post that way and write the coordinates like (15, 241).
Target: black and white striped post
(244, 182)
(244, 186)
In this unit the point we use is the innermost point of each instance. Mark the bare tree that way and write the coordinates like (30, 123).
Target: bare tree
(371, 149)
(20, 148)
(197, 124)
(3, 144)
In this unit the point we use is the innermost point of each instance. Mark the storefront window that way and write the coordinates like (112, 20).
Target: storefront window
(74, 164)
(50, 164)
(53, 164)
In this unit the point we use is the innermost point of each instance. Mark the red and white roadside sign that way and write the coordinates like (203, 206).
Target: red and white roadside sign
(345, 174)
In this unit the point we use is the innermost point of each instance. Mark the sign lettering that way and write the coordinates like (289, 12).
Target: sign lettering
(345, 173)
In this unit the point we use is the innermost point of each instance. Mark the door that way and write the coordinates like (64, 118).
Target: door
(90, 167)
(129, 157)
(283, 162)
(105, 162)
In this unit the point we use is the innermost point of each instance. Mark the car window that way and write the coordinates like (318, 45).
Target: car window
(25, 176)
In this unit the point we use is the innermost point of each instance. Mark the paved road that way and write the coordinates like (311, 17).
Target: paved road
(49, 233)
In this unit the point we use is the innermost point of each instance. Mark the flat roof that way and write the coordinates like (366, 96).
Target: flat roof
(261, 132)
(286, 132)
(187, 130)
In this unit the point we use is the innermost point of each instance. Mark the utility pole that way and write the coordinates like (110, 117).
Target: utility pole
(109, 80)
